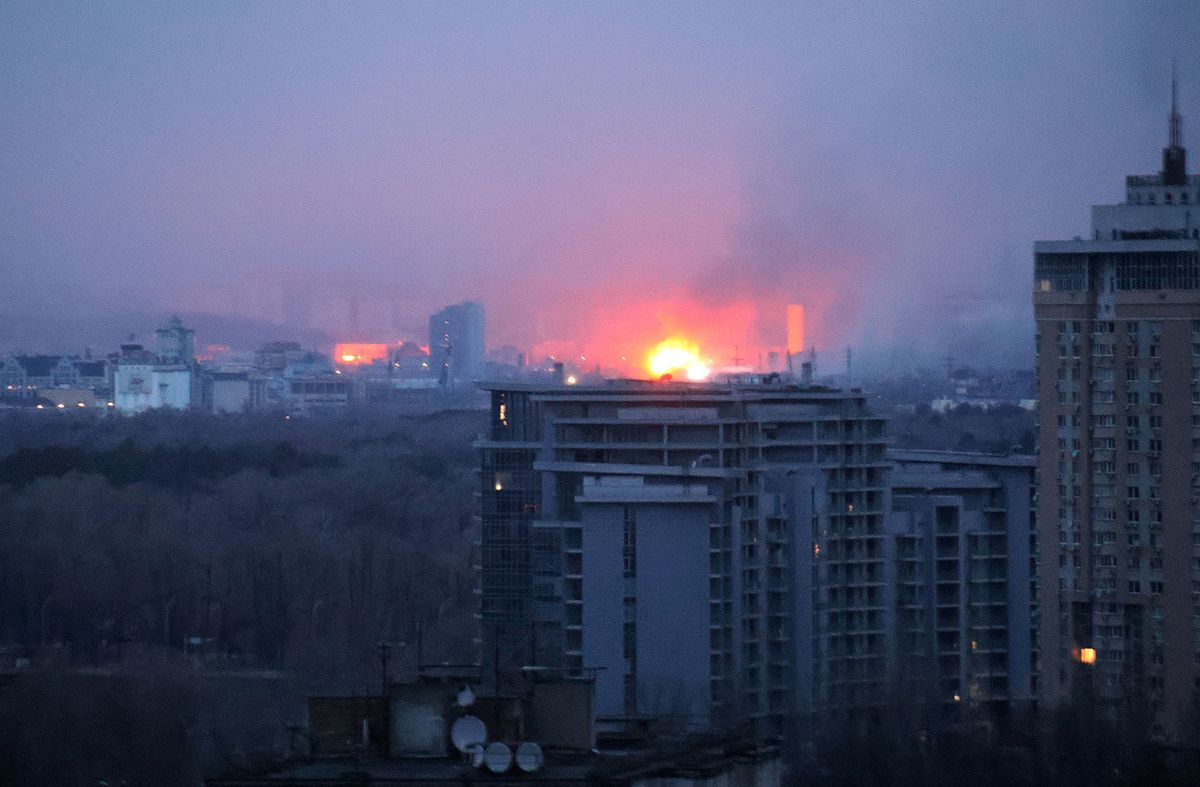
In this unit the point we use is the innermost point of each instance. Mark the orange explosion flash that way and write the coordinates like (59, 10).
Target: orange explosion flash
(676, 355)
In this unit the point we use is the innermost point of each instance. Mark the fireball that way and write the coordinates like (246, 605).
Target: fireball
(675, 355)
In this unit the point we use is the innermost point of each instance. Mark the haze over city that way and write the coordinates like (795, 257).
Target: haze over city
(599, 393)
(599, 177)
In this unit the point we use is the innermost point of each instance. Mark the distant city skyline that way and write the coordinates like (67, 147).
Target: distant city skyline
(597, 178)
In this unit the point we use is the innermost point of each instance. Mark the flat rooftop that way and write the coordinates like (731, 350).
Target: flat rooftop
(769, 384)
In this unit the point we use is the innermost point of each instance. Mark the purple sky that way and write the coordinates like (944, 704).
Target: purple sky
(593, 173)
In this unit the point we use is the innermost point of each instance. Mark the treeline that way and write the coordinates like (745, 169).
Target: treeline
(179, 467)
(1002, 429)
(246, 543)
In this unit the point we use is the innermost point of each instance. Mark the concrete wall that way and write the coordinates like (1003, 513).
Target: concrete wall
(672, 607)
(672, 610)
(603, 610)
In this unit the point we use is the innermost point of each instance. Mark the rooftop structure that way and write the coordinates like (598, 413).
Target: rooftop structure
(453, 730)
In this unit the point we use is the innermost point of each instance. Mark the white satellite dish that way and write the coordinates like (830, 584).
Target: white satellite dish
(475, 752)
(530, 757)
(466, 697)
(498, 757)
(467, 731)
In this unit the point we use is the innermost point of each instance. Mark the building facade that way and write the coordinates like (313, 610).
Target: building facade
(1118, 362)
(965, 543)
(167, 378)
(457, 344)
(703, 550)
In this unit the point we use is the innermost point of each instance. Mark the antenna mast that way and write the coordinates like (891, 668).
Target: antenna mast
(1176, 122)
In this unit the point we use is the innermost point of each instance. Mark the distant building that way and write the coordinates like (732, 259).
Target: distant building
(225, 392)
(176, 344)
(457, 349)
(410, 362)
(275, 365)
(314, 395)
(168, 378)
(33, 375)
(1118, 363)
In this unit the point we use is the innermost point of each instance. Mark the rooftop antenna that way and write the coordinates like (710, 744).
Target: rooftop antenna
(1176, 123)
(1174, 169)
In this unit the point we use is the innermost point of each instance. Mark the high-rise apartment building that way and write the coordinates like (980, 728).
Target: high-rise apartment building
(1118, 362)
(457, 351)
(744, 549)
(964, 535)
(701, 548)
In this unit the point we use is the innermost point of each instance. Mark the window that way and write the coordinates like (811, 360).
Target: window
(1060, 273)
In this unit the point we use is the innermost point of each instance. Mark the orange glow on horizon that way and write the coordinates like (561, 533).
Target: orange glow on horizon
(795, 328)
(734, 334)
(676, 355)
(355, 353)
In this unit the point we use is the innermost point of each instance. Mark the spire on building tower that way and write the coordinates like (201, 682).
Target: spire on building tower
(1174, 171)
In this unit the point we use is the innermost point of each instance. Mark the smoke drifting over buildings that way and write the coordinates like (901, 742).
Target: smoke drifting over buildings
(677, 160)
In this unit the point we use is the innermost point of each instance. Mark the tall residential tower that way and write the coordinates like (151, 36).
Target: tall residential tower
(1118, 361)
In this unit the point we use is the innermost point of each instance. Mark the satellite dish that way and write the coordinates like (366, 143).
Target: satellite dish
(466, 697)
(467, 731)
(498, 757)
(530, 757)
(475, 752)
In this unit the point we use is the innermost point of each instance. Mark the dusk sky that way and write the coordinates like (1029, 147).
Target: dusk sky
(598, 175)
